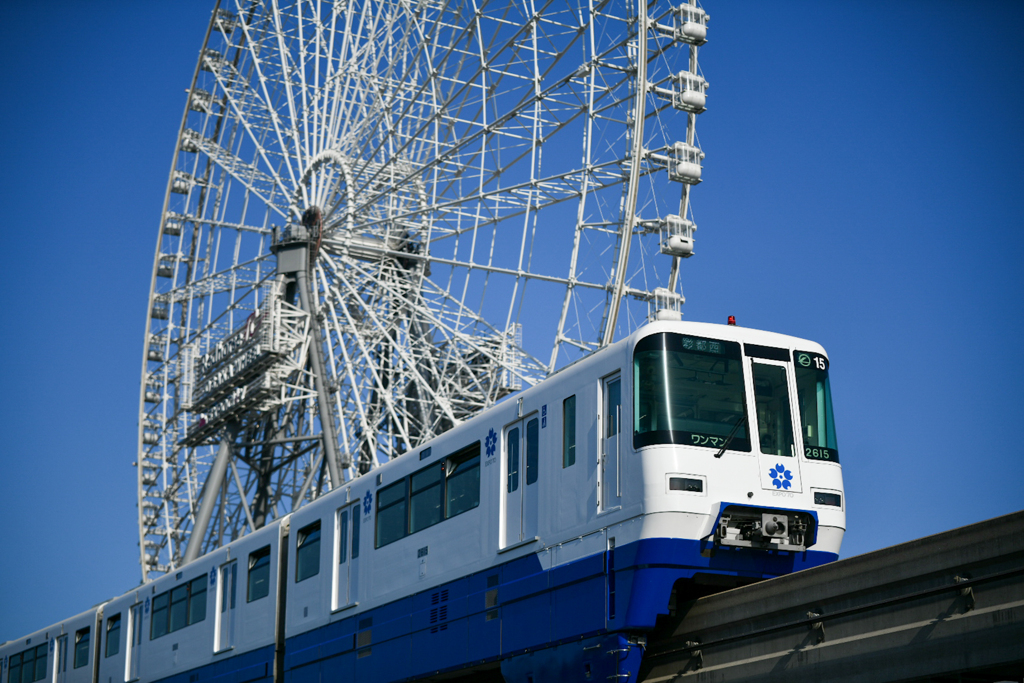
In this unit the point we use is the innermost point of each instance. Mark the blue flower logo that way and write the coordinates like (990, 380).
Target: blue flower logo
(491, 442)
(213, 576)
(367, 503)
(781, 477)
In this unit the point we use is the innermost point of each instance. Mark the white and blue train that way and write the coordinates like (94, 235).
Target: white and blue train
(539, 541)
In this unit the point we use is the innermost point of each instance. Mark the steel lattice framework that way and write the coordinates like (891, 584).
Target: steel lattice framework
(384, 216)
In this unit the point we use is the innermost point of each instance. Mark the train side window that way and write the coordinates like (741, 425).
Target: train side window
(391, 513)
(158, 624)
(342, 536)
(426, 497)
(569, 431)
(307, 552)
(81, 648)
(178, 614)
(259, 574)
(40, 670)
(28, 666)
(355, 532)
(463, 480)
(532, 450)
(197, 600)
(113, 635)
(513, 460)
(614, 408)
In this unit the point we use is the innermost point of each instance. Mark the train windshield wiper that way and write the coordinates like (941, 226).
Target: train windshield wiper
(728, 439)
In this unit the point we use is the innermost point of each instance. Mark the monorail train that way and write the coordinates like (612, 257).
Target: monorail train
(539, 541)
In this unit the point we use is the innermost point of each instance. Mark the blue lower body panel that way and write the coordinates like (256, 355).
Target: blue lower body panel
(256, 666)
(541, 625)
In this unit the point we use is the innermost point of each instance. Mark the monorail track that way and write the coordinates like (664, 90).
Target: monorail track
(948, 607)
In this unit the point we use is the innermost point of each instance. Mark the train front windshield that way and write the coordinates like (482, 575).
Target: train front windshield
(815, 395)
(689, 390)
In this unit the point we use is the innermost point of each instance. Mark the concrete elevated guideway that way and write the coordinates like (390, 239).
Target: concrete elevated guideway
(948, 607)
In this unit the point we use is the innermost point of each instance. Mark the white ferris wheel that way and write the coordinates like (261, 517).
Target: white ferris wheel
(382, 217)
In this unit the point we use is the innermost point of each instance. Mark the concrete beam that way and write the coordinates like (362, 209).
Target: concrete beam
(949, 605)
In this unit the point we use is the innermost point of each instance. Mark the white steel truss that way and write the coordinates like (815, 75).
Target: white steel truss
(489, 190)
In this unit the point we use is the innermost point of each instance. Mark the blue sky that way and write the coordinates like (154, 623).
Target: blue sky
(862, 189)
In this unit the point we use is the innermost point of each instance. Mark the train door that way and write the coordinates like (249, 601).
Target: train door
(774, 406)
(132, 657)
(611, 442)
(522, 472)
(60, 659)
(347, 540)
(226, 600)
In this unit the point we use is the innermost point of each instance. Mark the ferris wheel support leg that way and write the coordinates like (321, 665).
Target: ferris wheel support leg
(330, 439)
(211, 492)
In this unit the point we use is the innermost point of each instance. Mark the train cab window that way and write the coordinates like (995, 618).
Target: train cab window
(426, 498)
(774, 421)
(307, 552)
(689, 390)
(81, 648)
(113, 635)
(259, 574)
(814, 394)
(569, 431)
(463, 480)
(28, 666)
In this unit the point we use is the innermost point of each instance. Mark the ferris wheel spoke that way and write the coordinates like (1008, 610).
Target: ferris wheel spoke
(411, 363)
(266, 110)
(245, 116)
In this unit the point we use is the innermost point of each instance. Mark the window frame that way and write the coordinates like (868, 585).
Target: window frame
(394, 504)
(449, 472)
(193, 605)
(462, 456)
(81, 645)
(569, 431)
(302, 543)
(113, 624)
(34, 676)
(738, 437)
(356, 520)
(432, 492)
(512, 441)
(532, 428)
(342, 522)
(198, 600)
(254, 563)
